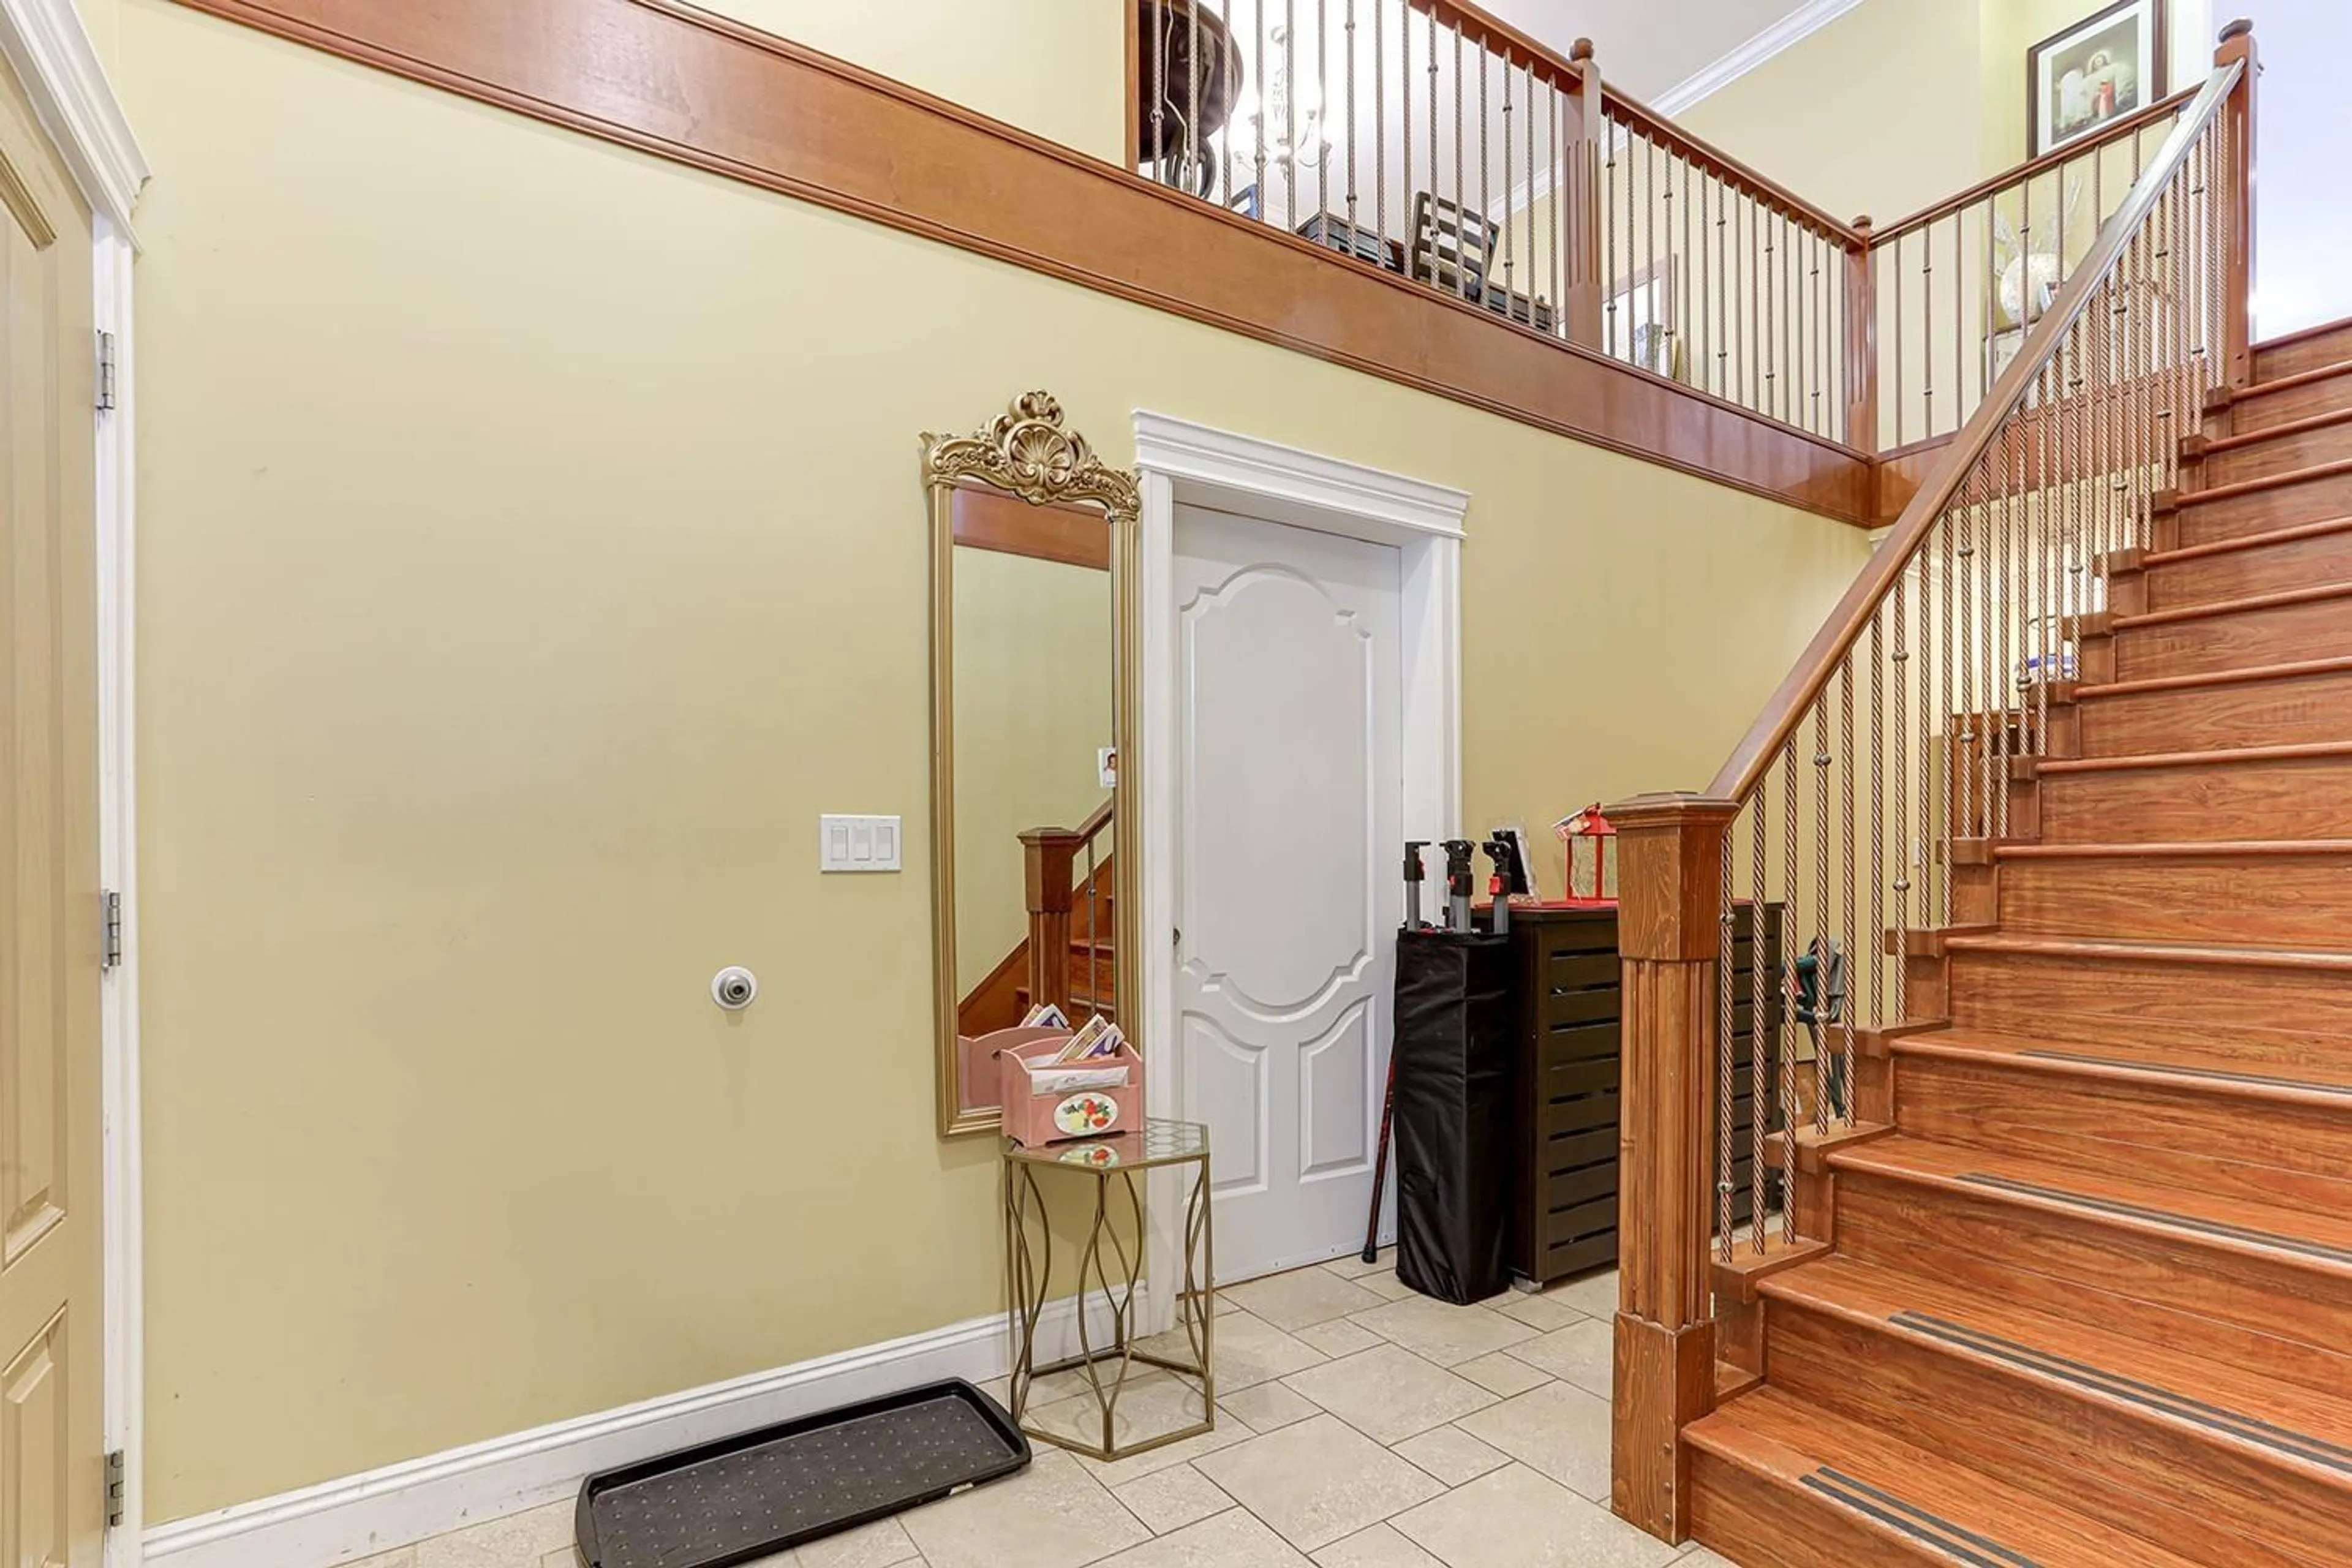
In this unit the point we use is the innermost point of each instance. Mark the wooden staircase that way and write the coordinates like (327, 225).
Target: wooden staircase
(2087, 1296)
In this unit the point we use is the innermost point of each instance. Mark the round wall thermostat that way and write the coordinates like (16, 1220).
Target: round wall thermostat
(734, 988)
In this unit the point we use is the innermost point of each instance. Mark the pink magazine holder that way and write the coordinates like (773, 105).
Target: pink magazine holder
(1031, 1119)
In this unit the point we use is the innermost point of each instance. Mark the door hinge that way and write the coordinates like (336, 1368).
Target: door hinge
(114, 1488)
(105, 369)
(110, 926)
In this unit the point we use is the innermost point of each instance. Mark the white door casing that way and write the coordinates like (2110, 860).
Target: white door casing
(1200, 465)
(1289, 780)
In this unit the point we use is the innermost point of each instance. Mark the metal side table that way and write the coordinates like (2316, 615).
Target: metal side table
(1110, 1267)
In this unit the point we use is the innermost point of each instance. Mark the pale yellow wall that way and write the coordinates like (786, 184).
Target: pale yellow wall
(531, 549)
(1877, 112)
(1055, 67)
(1032, 705)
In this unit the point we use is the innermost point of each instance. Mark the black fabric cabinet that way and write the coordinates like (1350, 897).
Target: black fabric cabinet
(1560, 1162)
(1456, 1054)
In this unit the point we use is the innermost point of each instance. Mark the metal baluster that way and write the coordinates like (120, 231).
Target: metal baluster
(1877, 814)
(1686, 279)
(1461, 194)
(1955, 759)
(1759, 383)
(1193, 151)
(1410, 234)
(1925, 855)
(1650, 228)
(1486, 195)
(1789, 927)
(1535, 269)
(1608, 154)
(1380, 133)
(1770, 346)
(2042, 645)
(1290, 114)
(1975, 583)
(1927, 328)
(1351, 120)
(1160, 90)
(2004, 670)
(1760, 1087)
(1723, 333)
(1818, 341)
(1848, 905)
(1563, 150)
(1323, 108)
(1902, 885)
(1434, 281)
(1822, 760)
(1723, 1068)
(1510, 277)
(1894, 271)
(1258, 121)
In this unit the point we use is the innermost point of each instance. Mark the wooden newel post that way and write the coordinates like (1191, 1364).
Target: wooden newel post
(1580, 203)
(1670, 890)
(1861, 344)
(2238, 196)
(1049, 855)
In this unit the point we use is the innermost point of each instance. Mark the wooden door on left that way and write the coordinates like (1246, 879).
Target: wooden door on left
(52, 1462)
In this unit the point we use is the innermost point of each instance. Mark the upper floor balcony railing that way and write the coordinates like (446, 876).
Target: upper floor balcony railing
(1433, 141)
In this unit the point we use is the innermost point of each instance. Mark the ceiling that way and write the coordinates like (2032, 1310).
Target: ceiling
(1646, 46)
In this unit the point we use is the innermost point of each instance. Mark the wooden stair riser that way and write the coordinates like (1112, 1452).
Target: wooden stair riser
(2261, 569)
(1749, 1517)
(2282, 506)
(2283, 454)
(2330, 344)
(2289, 710)
(2259, 899)
(2236, 640)
(2117, 1466)
(2256, 410)
(2271, 1314)
(2272, 798)
(2276, 1014)
(2291, 1156)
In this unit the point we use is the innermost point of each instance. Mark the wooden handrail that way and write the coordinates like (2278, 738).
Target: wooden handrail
(1726, 168)
(2113, 131)
(1753, 756)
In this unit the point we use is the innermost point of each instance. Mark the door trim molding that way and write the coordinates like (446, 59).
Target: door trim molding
(1198, 465)
(45, 41)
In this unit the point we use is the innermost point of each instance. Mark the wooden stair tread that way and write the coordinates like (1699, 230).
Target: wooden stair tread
(2292, 427)
(2237, 489)
(2306, 752)
(2287, 1425)
(1788, 1440)
(2131, 1062)
(2246, 541)
(2289, 383)
(2211, 848)
(2300, 1236)
(2315, 592)
(2193, 952)
(2252, 672)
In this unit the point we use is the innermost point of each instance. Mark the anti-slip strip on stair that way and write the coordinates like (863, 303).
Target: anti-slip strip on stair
(2147, 1396)
(2219, 1075)
(2162, 1217)
(1915, 1521)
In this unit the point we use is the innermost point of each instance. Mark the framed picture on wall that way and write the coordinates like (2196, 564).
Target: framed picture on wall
(2106, 65)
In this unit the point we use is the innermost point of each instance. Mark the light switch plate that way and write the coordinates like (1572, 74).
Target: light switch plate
(857, 843)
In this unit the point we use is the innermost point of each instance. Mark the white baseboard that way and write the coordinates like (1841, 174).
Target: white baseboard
(341, 1520)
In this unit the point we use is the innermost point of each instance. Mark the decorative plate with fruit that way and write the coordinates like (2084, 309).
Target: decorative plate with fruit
(1084, 1113)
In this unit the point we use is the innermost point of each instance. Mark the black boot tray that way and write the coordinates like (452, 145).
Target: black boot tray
(765, 1491)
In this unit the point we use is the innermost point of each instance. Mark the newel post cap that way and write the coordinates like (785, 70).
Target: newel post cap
(1670, 875)
(1582, 50)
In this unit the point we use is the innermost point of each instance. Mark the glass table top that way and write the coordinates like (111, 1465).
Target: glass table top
(1160, 1142)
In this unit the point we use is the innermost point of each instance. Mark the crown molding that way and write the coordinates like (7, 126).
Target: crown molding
(52, 53)
(1791, 29)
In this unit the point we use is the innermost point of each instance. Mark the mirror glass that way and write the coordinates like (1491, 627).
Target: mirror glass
(1035, 658)
(1033, 553)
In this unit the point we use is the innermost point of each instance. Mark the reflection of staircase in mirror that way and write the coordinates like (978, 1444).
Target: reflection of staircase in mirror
(1071, 887)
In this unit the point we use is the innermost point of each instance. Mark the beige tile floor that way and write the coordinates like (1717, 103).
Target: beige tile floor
(1359, 1426)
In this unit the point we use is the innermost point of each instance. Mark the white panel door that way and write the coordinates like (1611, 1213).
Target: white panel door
(1290, 785)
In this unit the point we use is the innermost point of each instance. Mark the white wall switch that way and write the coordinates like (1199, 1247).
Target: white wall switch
(857, 843)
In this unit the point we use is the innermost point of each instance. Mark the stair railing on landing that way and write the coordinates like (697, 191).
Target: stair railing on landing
(1870, 792)
(1050, 858)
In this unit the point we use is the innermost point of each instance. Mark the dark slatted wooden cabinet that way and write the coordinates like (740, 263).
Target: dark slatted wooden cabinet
(1564, 1141)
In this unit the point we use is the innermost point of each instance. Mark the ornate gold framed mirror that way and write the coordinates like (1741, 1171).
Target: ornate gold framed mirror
(1034, 548)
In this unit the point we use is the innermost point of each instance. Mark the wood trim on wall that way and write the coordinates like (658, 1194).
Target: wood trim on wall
(705, 91)
(991, 520)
